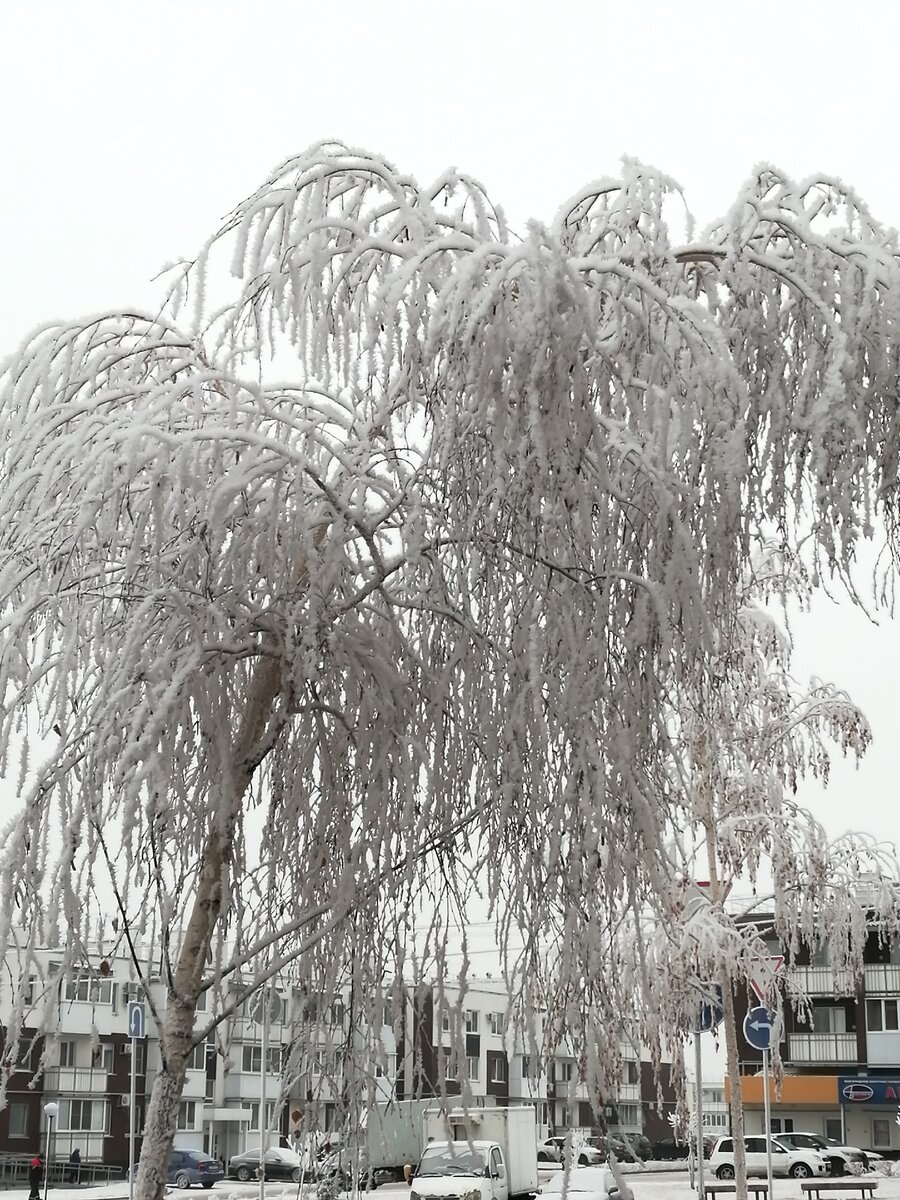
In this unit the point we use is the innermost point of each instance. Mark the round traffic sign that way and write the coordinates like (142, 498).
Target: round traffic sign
(761, 1028)
(265, 1006)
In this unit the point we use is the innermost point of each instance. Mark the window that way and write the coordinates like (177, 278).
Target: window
(200, 1006)
(786, 1125)
(254, 1114)
(445, 1021)
(497, 1164)
(83, 1116)
(103, 1057)
(335, 1014)
(629, 1114)
(526, 1066)
(67, 1053)
(756, 1145)
(828, 1018)
(632, 1074)
(389, 1069)
(251, 1059)
(187, 1114)
(471, 1016)
(387, 1015)
(497, 1023)
(18, 1120)
(819, 956)
(197, 1058)
(27, 1058)
(715, 1120)
(564, 1071)
(498, 1069)
(317, 1062)
(881, 1015)
(88, 991)
(726, 1146)
(833, 1128)
(448, 1063)
(881, 1133)
(472, 1068)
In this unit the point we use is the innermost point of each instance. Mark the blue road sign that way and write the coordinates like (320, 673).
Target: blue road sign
(710, 1012)
(760, 1028)
(136, 1019)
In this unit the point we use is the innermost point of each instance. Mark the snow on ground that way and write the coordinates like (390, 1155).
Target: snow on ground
(645, 1185)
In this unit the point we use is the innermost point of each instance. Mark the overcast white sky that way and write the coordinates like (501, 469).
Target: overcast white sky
(129, 130)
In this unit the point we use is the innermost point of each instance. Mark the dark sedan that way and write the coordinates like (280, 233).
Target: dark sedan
(187, 1167)
(280, 1164)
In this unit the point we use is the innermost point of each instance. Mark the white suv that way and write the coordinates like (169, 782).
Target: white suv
(841, 1159)
(799, 1164)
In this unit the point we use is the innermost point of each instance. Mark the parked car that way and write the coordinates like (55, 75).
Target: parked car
(579, 1154)
(582, 1183)
(669, 1149)
(798, 1164)
(637, 1147)
(187, 1167)
(548, 1152)
(280, 1164)
(841, 1159)
(631, 1148)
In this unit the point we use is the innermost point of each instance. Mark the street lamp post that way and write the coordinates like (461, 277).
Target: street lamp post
(51, 1109)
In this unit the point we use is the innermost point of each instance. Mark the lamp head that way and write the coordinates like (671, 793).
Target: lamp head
(51, 1109)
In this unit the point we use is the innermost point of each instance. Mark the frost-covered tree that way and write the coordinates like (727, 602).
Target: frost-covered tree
(378, 558)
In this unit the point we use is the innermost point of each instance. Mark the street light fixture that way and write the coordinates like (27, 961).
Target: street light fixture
(51, 1110)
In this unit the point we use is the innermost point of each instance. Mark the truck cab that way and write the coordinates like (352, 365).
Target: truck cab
(461, 1171)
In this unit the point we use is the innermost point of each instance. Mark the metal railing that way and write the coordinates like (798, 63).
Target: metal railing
(882, 977)
(76, 1079)
(822, 981)
(822, 1047)
(14, 1170)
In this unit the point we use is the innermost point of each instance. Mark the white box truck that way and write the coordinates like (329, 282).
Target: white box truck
(478, 1154)
(383, 1146)
(392, 1135)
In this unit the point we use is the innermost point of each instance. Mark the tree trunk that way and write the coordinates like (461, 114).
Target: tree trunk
(177, 1033)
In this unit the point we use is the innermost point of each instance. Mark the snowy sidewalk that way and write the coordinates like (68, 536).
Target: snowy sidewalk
(646, 1185)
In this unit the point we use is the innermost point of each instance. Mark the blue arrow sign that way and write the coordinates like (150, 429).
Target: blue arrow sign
(710, 1012)
(760, 1028)
(136, 1019)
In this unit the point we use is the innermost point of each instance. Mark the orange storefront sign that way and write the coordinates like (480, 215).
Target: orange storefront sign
(795, 1089)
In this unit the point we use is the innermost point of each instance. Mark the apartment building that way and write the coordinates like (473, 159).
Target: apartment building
(841, 1058)
(302, 1057)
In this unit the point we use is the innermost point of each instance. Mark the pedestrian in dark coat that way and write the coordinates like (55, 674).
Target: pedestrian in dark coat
(74, 1167)
(36, 1177)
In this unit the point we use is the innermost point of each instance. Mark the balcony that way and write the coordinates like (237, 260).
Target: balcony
(883, 978)
(822, 1047)
(822, 981)
(87, 1080)
(883, 1047)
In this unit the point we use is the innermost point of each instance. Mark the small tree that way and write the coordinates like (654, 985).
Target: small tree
(388, 545)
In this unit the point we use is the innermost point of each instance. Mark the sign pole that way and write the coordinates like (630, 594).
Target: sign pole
(767, 1110)
(262, 1099)
(136, 1031)
(132, 1101)
(698, 1071)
